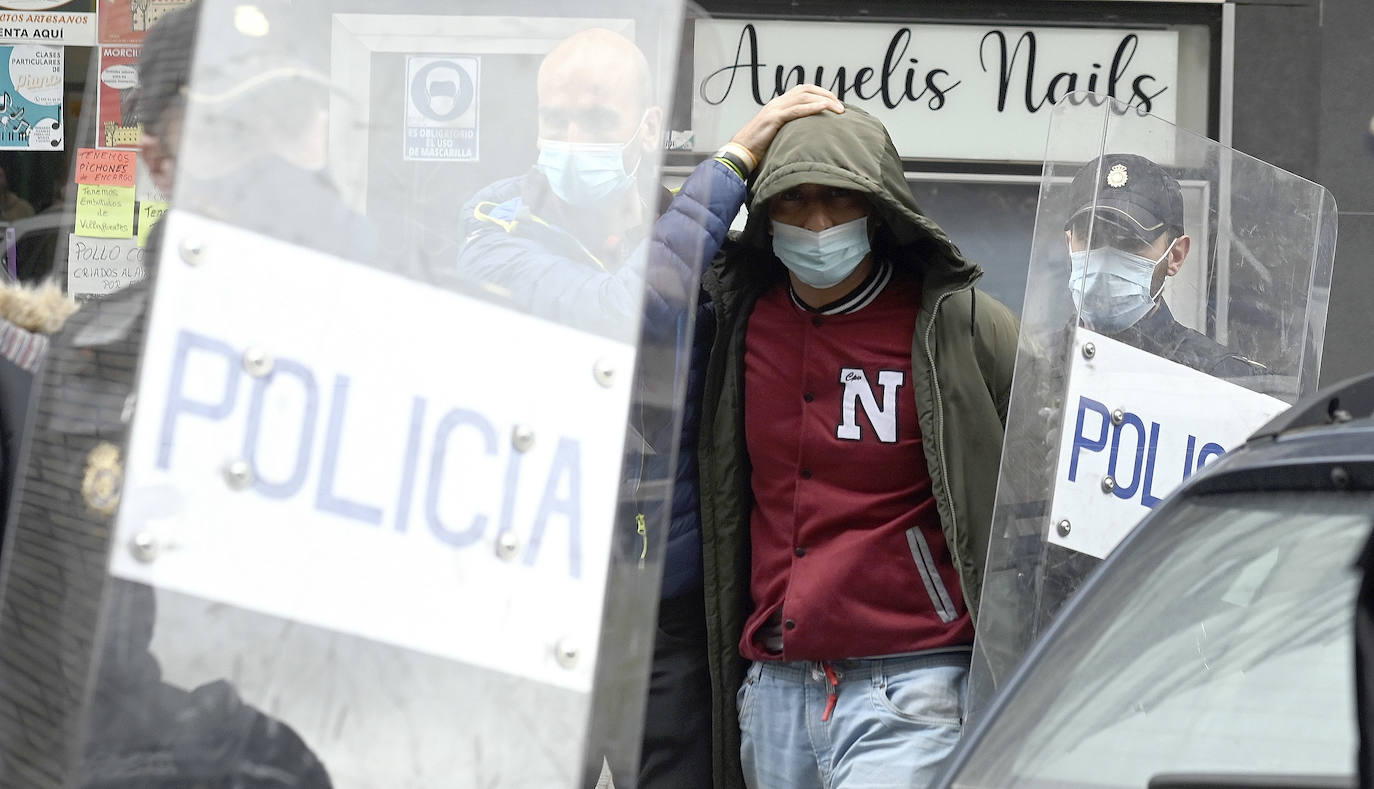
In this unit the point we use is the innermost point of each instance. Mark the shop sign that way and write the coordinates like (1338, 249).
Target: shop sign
(943, 91)
(58, 22)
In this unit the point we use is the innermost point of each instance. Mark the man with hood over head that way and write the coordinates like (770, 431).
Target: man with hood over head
(851, 435)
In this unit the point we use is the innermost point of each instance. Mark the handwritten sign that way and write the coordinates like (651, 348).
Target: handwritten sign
(105, 167)
(145, 188)
(148, 214)
(104, 211)
(99, 267)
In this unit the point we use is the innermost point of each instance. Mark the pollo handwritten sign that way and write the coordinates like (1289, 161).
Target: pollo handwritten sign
(101, 266)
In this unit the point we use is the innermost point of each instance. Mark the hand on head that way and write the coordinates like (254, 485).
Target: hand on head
(799, 102)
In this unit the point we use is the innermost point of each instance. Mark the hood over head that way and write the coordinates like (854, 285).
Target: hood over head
(853, 151)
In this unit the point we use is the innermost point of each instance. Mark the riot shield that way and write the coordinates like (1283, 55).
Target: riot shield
(1175, 301)
(366, 486)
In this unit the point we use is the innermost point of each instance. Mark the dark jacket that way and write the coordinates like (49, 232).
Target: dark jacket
(28, 315)
(81, 638)
(1161, 335)
(963, 353)
(549, 271)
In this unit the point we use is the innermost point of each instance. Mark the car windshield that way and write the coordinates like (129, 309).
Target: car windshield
(1220, 644)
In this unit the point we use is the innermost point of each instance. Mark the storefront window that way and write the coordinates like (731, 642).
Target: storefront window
(991, 222)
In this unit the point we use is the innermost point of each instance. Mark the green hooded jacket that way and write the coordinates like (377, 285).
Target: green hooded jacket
(962, 356)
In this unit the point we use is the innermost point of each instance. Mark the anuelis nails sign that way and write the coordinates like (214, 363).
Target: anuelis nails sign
(944, 91)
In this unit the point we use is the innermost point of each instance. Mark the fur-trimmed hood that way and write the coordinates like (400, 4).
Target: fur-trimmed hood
(41, 309)
(29, 315)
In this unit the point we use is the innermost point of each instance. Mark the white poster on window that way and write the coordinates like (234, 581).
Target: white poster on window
(943, 91)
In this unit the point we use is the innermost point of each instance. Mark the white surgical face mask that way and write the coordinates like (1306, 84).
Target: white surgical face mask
(583, 173)
(1111, 288)
(822, 259)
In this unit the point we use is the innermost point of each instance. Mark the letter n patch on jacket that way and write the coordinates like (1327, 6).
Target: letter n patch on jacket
(858, 391)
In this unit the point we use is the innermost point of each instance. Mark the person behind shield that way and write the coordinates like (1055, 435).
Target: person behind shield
(852, 428)
(134, 730)
(565, 241)
(571, 241)
(1125, 239)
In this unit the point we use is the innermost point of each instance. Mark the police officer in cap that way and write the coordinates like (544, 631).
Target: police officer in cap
(1125, 240)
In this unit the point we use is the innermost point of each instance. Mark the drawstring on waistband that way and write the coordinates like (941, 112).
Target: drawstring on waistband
(834, 681)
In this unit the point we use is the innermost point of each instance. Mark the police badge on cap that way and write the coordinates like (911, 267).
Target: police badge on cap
(1129, 192)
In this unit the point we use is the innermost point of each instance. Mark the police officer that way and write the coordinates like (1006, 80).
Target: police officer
(65, 621)
(1125, 240)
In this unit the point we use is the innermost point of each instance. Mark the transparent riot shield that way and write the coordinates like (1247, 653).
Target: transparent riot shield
(1176, 300)
(367, 485)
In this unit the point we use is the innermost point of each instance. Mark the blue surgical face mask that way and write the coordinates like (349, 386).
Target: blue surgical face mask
(583, 173)
(1111, 288)
(822, 259)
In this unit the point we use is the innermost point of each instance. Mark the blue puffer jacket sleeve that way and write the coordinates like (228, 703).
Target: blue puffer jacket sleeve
(689, 234)
(540, 268)
(547, 272)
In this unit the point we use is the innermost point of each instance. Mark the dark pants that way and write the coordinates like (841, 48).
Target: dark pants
(675, 750)
(677, 720)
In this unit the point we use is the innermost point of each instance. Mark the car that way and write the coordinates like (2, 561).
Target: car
(1214, 646)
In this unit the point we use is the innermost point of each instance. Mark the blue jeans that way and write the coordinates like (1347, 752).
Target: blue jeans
(894, 722)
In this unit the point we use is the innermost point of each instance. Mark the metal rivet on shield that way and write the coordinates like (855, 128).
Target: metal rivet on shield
(1340, 477)
(257, 362)
(144, 547)
(604, 372)
(1108, 484)
(192, 251)
(238, 474)
(507, 545)
(1089, 350)
(522, 438)
(565, 651)
(1118, 416)
(1063, 527)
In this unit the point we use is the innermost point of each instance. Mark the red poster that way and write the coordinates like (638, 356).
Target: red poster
(118, 78)
(127, 21)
